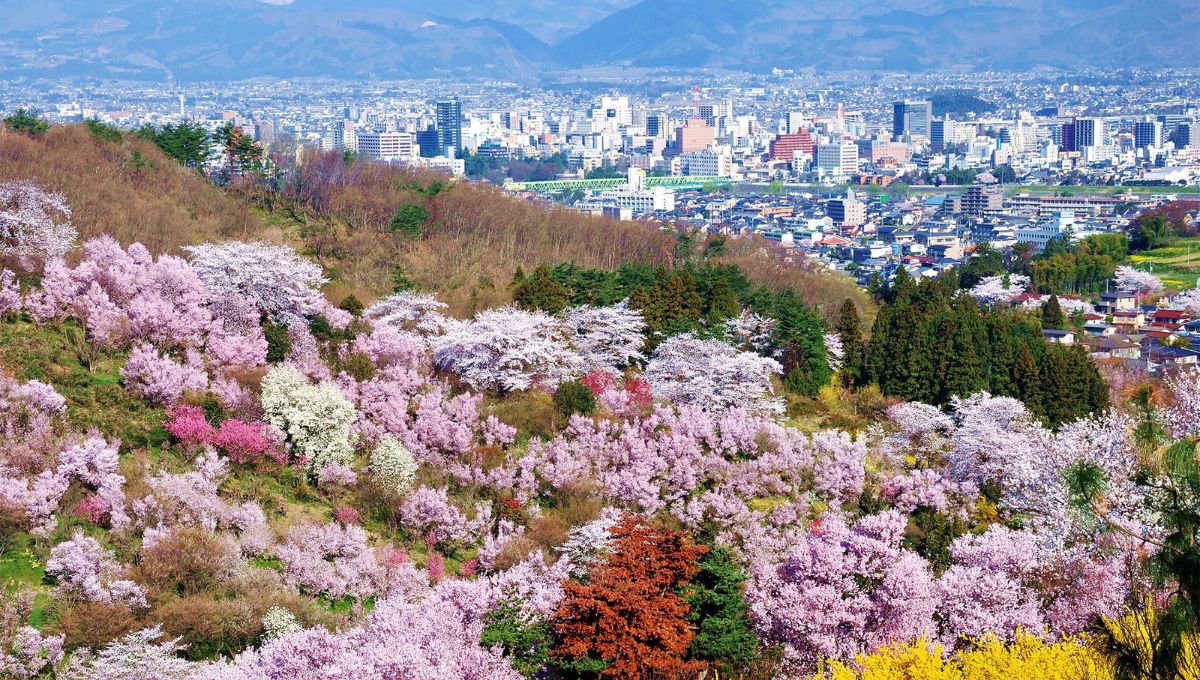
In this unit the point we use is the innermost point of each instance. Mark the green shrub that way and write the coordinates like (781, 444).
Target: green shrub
(574, 397)
(278, 342)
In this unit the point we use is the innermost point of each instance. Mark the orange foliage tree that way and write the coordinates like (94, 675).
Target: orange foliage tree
(629, 614)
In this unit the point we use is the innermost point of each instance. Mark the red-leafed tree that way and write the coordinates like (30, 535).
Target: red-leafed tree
(628, 614)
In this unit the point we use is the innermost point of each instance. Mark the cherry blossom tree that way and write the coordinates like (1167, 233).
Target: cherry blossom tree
(331, 559)
(1144, 283)
(85, 570)
(407, 311)
(607, 337)
(282, 284)
(35, 224)
(509, 349)
(160, 378)
(711, 374)
(999, 289)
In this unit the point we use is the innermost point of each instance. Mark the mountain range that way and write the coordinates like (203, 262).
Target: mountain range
(518, 39)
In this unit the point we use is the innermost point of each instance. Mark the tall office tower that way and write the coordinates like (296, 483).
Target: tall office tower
(1066, 137)
(707, 111)
(427, 142)
(611, 113)
(912, 119)
(941, 134)
(1147, 133)
(836, 158)
(657, 125)
(182, 106)
(449, 127)
(1088, 132)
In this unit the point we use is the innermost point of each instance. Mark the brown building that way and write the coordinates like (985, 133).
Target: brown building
(696, 135)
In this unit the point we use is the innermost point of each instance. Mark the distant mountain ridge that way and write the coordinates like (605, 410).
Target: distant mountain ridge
(234, 39)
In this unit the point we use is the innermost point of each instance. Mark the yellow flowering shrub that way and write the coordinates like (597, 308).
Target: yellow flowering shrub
(1028, 658)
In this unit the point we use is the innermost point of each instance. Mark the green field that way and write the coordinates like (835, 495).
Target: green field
(1177, 265)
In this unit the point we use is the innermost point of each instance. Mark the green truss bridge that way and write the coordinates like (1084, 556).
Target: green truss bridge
(681, 182)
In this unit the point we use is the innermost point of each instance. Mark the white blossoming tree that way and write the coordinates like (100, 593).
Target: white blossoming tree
(508, 349)
(607, 337)
(35, 224)
(711, 374)
(283, 284)
(317, 419)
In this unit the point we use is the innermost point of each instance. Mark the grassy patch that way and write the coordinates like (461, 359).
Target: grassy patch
(95, 398)
(1178, 265)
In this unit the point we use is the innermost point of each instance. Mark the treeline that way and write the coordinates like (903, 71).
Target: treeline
(1084, 267)
(1163, 226)
(930, 345)
(695, 297)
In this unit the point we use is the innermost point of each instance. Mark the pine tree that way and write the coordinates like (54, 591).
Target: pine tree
(1058, 387)
(719, 611)
(722, 303)
(1027, 380)
(853, 352)
(541, 291)
(1052, 314)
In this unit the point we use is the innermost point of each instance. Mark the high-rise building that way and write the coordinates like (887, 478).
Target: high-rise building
(449, 127)
(912, 119)
(1088, 132)
(657, 125)
(344, 137)
(427, 140)
(783, 146)
(848, 211)
(982, 199)
(1186, 135)
(1147, 133)
(694, 136)
(795, 122)
(837, 158)
(1065, 139)
(940, 132)
(264, 132)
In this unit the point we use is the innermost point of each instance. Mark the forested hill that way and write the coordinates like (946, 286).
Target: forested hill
(372, 227)
(218, 462)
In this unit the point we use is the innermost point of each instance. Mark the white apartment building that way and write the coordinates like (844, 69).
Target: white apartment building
(388, 146)
(838, 159)
(715, 162)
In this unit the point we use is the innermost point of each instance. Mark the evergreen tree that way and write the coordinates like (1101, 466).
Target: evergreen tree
(1058, 385)
(1027, 380)
(719, 611)
(1052, 314)
(722, 303)
(853, 352)
(541, 291)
